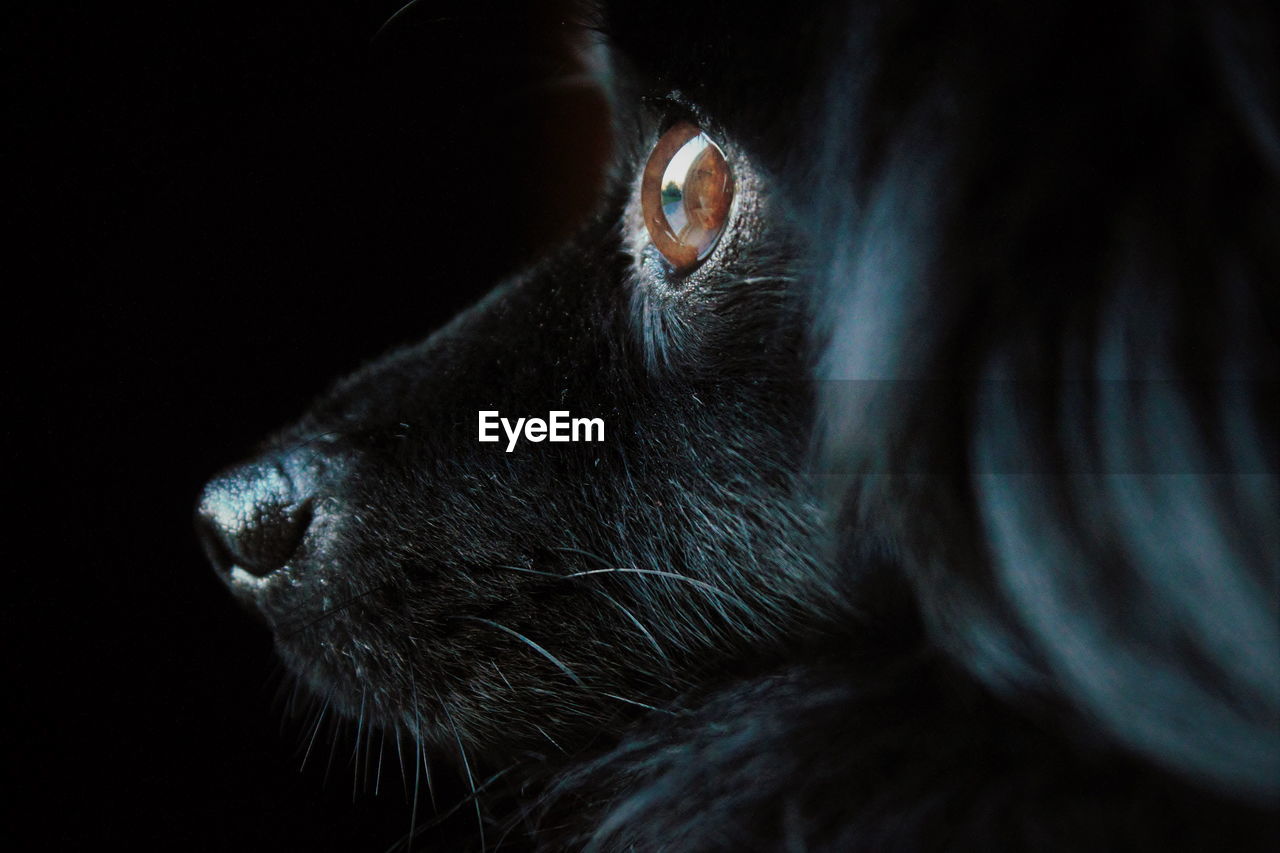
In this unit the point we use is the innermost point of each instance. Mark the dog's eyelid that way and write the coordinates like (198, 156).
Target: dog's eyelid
(674, 108)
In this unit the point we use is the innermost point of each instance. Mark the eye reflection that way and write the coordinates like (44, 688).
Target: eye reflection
(685, 195)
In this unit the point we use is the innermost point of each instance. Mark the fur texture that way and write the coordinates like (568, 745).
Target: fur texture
(938, 508)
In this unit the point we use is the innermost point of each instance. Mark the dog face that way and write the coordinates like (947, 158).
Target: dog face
(503, 595)
(930, 249)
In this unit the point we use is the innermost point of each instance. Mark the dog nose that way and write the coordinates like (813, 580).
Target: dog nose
(252, 518)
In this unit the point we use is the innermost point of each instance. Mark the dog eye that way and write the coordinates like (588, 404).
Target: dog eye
(685, 195)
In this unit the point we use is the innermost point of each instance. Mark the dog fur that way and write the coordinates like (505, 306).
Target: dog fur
(939, 506)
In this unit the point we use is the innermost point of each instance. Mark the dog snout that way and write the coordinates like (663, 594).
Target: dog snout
(253, 518)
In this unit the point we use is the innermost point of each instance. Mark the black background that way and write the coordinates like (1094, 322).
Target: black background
(220, 208)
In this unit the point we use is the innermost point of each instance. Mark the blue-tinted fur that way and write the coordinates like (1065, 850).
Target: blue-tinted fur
(942, 511)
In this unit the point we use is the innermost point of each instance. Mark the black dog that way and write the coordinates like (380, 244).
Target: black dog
(933, 501)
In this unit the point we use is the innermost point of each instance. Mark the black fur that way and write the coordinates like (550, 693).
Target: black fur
(938, 510)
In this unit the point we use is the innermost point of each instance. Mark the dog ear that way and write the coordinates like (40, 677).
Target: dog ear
(511, 149)
(568, 123)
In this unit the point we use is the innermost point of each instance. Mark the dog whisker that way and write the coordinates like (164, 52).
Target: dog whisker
(466, 765)
(638, 704)
(635, 620)
(315, 730)
(573, 676)
(333, 611)
(703, 585)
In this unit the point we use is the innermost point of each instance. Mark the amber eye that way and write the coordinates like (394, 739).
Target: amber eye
(685, 195)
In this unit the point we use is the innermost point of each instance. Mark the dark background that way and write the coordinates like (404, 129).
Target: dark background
(215, 210)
